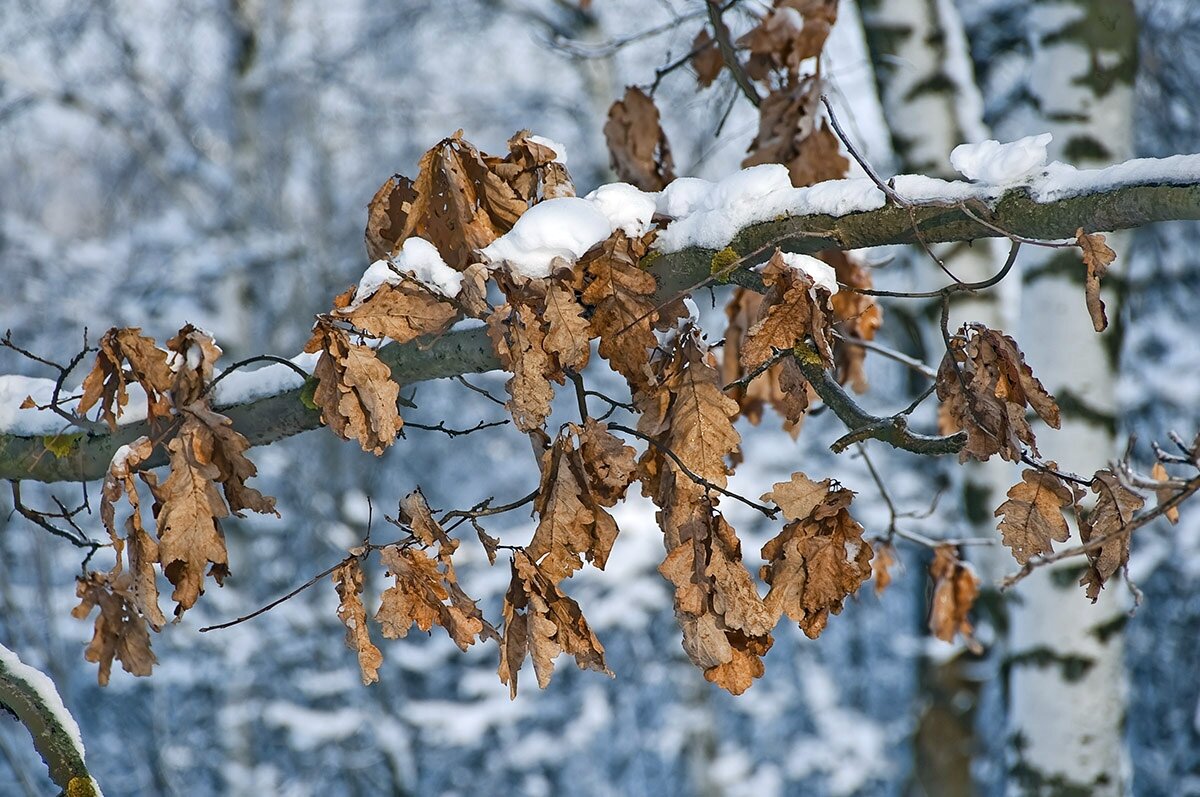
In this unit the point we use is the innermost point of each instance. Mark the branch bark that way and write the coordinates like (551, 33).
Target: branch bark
(272, 418)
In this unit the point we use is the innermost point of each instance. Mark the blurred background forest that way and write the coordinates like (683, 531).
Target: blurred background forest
(210, 162)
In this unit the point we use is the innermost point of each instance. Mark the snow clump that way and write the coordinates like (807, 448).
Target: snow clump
(997, 164)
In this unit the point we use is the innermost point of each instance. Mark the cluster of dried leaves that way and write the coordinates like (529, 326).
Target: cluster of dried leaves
(206, 482)
(686, 399)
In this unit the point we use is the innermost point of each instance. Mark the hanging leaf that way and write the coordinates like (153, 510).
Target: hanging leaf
(637, 144)
(1097, 257)
(355, 391)
(1115, 507)
(1032, 517)
(955, 588)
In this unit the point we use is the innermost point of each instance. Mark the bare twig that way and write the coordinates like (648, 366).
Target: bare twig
(261, 358)
(440, 426)
(722, 35)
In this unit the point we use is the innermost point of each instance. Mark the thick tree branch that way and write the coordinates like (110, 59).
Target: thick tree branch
(1128, 204)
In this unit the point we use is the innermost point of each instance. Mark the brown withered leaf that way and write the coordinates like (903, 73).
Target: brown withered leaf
(572, 525)
(348, 580)
(534, 170)
(621, 296)
(1164, 494)
(402, 312)
(788, 133)
(196, 356)
(789, 313)
(1115, 507)
(782, 386)
(120, 631)
(881, 566)
(518, 336)
(355, 391)
(189, 516)
(955, 588)
(1032, 517)
(567, 331)
(610, 465)
(999, 385)
(707, 59)
(541, 621)
(858, 316)
(819, 558)
(1097, 257)
(457, 203)
(472, 293)
(790, 32)
(637, 145)
(426, 594)
(127, 355)
(137, 548)
(726, 626)
(228, 452)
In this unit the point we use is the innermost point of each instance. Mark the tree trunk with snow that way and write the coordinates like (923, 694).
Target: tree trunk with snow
(1076, 61)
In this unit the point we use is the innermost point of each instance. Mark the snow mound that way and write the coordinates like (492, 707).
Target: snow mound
(417, 258)
(627, 208)
(821, 273)
(562, 228)
(997, 164)
(560, 151)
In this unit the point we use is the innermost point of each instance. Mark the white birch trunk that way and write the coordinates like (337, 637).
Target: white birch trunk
(1066, 670)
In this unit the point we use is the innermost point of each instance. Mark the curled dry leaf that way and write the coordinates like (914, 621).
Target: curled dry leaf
(355, 391)
(540, 621)
(137, 548)
(819, 558)
(881, 566)
(195, 357)
(1164, 494)
(857, 316)
(781, 386)
(1114, 509)
(955, 588)
(348, 580)
(792, 310)
(120, 631)
(998, 387)
(726, 626)
(707, 59)
(572, 524)
(426, 593)
(126, 354)
(621, 296)
(610, 465)
(637, 144)
(402, 312)
(788, 133)
(1097, 257)
(791, 32)
(1032, 517)
(534, 170)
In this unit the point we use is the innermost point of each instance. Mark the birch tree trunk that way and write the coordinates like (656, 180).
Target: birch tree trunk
(931, 104)
(1066, 670)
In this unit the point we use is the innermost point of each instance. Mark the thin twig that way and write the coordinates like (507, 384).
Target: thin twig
(441, 427)
(260, 358)
(722, 35)
(463, 381)
(891, 354)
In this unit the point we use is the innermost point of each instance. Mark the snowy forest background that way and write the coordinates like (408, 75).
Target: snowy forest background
(210, 162)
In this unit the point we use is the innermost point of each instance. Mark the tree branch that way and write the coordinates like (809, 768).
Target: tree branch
(1167, 191)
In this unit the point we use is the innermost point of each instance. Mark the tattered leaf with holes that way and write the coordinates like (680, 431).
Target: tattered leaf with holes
(355, 391)
(127, 355)
(1115, 508)
(120, 631)
(819, 558)
(138, 549)
(402, 312)
(348, 580)
(985, 386)
(541, 622)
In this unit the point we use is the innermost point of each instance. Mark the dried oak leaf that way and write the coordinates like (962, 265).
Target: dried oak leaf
(688, 414)
(567, 331)
(126, 355)
(726, 626)
(195, 354)
(819, 558)
(857, 316)
(707, 59)
(999, 386)
(621, 296)
(402, 312)
(518, 335)
(1097, 257)
(1032, 517)
(955, 588)
(456, 203)
(189, 514)
(572, 524)
(637, 145)
(782, 386)
(355, 391)
(791, 32)
(610, 465)
(120, 631)
(1164, 494)
(533, 169)
(788, 133)
(138, 549)
(348, 580)
(792, 310)
(540, 621)
(881, 566)
(1114, 510)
